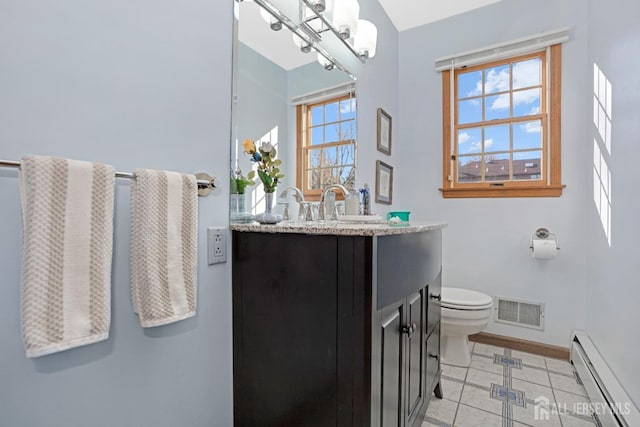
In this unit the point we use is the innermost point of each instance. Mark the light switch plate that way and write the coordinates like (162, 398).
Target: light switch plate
(216, 245)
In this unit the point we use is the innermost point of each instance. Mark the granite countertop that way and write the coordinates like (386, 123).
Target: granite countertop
(339, 228)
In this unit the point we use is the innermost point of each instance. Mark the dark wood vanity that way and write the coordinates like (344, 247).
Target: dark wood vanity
(335, 326)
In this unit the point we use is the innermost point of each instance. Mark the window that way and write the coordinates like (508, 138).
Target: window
(504, 139)
(326, 144)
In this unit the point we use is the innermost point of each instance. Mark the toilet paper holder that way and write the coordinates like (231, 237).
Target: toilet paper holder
(544, 234)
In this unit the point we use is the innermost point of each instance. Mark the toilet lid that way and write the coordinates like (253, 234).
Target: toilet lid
(465, 298)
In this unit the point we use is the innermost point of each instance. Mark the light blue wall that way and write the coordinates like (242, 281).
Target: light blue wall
(132, 84)
(142, 84)
(486, 246)
(612, 271)
(377, 86)
(262, 95)
(261, 109)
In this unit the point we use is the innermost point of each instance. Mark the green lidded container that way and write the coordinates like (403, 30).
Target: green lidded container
(402, 215)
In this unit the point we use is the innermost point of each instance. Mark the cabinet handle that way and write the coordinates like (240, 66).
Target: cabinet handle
(434, 356)
(410, 329)
(436, 297)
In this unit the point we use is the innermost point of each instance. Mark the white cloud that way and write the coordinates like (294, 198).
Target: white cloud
(501, 102)
(478, 89)
(531, 127)
(534, 110)
(463, 137)
(347, 107)
(526, 73)
(476, 146)
(526, 97)
(497, 81)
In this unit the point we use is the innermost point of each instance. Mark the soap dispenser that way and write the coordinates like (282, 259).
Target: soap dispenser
(366, 200)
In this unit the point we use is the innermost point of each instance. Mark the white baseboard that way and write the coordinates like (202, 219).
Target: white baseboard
(611, 402)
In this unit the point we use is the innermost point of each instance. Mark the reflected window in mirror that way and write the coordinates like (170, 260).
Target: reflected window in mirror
(326, 144)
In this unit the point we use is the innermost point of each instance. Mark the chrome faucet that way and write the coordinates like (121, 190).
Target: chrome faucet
(322, 215)
(297, 194)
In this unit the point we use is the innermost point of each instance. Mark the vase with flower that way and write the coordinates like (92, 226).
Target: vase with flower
(239, 185)
(268, 170)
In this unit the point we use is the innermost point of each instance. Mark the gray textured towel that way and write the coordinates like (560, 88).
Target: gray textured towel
(164, 242)
(67, 209)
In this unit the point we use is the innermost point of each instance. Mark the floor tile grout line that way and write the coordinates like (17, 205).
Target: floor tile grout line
(553, 395)
(453, 423)
(560, 373)
(477, 409)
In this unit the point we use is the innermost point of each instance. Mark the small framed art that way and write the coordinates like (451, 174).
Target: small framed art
(384, 131)
(384, 183)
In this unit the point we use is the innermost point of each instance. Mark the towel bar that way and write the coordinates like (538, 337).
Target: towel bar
(205, 182)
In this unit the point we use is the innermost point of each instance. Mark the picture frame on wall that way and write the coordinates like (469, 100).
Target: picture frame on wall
(384, 183)
(384, 131)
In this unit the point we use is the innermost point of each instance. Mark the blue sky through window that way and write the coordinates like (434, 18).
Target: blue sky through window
(527, 135)
(496, 138)
(331, 112)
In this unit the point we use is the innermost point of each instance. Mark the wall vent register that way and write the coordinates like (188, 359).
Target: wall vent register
(515, 312)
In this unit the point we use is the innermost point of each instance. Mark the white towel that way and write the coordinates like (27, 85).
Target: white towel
(163, 246)
(67, 210)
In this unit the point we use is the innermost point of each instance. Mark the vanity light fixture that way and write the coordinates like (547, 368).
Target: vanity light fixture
(344, 24)
(307, 33)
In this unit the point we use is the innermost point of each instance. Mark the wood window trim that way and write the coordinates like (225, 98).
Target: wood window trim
(552, 188)
(302, 118)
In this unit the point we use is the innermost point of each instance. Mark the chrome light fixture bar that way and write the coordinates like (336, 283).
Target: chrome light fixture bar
(307, 35)
(341, 35)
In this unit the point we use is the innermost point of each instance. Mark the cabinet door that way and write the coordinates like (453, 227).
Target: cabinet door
(284, 327)
(433, 358)
(414, 330)
(433, 301)
(391, 341)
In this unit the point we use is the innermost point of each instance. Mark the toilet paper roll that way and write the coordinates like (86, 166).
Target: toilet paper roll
(544, 249)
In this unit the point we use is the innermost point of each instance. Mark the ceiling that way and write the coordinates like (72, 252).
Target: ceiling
(405, 14)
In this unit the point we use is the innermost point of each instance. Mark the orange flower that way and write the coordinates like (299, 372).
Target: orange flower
(249, 146)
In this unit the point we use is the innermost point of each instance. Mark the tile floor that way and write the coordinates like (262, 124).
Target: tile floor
(508, 388)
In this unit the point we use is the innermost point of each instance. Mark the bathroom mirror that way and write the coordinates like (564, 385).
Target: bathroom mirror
(278, 92)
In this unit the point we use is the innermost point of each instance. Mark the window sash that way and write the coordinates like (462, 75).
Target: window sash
(304, 130)
(549, 116)
(511, 120)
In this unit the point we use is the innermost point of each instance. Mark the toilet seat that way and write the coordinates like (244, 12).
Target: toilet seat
(465, 299)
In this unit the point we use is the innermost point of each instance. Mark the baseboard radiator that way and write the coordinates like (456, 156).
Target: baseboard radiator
(609, 400)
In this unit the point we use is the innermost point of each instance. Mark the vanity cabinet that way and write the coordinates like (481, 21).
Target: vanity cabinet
(333, 329)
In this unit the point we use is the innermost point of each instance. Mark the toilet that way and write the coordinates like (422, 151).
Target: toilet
(464, 312)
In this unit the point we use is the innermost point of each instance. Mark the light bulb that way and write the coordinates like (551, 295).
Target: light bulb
(318, 5)
(345, 17)
(366, 39)
(328, 65)
(274, 23)
(304, 46)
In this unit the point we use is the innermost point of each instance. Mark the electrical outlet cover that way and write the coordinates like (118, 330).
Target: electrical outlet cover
(216, 245)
